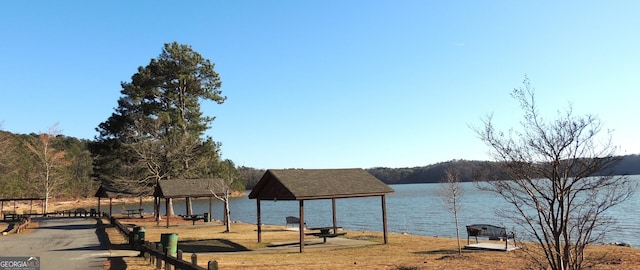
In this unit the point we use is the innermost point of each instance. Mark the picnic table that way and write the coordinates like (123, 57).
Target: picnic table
(193, 218)
(326, 232)
(131, 212)
(11, 215)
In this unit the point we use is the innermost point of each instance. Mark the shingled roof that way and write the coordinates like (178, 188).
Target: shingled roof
(192, 188)
(106, 192)
(306, 184)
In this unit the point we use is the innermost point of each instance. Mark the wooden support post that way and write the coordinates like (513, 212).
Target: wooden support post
(301, 228)
(335, 220)
(259, 221)
(166, 209)
(187, 203)
(210, 209)
(156, 209)
(384, 217)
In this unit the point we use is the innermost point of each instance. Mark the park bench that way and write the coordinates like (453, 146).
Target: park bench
(134, 212)
(490, 231)
(193, 218)
(325, 232)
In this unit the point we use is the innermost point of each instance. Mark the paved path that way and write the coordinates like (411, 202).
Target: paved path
(61, 243)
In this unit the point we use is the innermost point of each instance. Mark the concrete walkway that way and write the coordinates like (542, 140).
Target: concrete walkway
(61, 243)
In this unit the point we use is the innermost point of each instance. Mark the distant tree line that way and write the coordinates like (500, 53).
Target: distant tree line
(434, 173)
(628, 165)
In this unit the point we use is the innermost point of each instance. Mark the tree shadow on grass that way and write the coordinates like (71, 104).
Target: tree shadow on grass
(114, 263)
(210, 245)
(9, 228)
(104, 239)
(440, 252)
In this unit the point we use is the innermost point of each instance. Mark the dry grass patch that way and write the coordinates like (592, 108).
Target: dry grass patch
(239, 250)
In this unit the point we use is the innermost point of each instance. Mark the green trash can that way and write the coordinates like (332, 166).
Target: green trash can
(138, 237)
(170, 240)
(206, 217)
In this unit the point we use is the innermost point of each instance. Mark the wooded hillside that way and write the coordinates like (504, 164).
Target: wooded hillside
(23, 161)
(18, 173)
(628, 165)
(434, 173)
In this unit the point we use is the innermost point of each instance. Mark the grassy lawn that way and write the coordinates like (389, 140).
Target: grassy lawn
(239, 249)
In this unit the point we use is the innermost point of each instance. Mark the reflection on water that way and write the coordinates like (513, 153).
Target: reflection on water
(413, 208)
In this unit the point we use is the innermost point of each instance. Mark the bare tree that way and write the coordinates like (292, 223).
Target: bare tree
(560, 182)
(226, 170)
(450, 193)
(51, 162)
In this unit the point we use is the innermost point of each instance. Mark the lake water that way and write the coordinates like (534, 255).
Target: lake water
(413, 208)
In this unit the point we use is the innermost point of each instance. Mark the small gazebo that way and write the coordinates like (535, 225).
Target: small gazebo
(317, 184)
(110, 193)
(188, 189)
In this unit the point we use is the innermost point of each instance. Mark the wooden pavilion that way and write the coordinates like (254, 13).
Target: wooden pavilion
(15, 200)
(110, 193)
(188, 189)
(302, 184)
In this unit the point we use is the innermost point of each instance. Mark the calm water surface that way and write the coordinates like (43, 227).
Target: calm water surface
(413, 208)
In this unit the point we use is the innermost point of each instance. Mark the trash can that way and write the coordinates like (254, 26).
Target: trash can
(93, 212)
(132, 239)
(206, 217)
(170, 240)
(138, 237)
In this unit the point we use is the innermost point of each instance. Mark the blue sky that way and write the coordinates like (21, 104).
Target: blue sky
(331, 84)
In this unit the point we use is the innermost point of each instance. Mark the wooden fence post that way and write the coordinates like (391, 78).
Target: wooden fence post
(179, 257)
(167, 253)
(213, 265)
(194, 259)
(151, 246)
(159, 260)
(147, 254)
